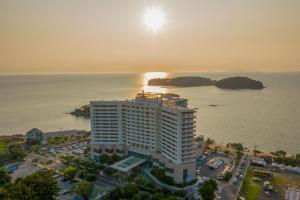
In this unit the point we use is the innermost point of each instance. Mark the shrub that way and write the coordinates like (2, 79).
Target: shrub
(160, 175)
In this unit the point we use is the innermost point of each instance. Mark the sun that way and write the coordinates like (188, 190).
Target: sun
(154, 19)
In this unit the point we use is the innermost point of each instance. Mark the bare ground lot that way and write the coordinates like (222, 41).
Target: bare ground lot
(253, 190)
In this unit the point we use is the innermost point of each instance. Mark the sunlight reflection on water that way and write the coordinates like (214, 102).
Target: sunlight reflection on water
(151, 75)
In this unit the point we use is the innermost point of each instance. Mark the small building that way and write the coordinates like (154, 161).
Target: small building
(292, 193)
(257, 161)
(34, 136)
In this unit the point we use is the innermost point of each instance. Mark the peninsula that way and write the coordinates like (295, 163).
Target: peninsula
(233, 83)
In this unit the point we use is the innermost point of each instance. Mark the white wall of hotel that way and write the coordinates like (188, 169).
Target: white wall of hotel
(158, 128)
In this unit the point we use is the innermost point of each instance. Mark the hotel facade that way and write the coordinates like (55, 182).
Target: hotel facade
(159, 128)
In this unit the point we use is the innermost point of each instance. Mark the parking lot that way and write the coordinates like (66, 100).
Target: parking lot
(71, 149)
(65, 189)
(206, 171)
(213, 164)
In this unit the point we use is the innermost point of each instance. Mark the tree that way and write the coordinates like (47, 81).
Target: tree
(38, 186)
(4, 177)
(280, 154)
(129, 191)
(104, 158)
(207, 191)
(42, 184)
(181, 193)
(236, 146)
(18, 191)
(109, 171)
(160, 175)
(35, 148)
(198, 138)
(209, 142)
(83, 189)
(70, 172)
(145, 184)
(142, 196)
(16, 151)
(227, 176)
(226, 152)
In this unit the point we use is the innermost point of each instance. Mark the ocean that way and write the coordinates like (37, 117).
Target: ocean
(268, 118)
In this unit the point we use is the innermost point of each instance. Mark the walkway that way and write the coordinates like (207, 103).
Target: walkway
(170, 187)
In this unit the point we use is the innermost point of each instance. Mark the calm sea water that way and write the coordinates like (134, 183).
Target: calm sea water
(268, 118)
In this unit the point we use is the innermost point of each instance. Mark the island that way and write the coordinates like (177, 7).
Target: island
(83, 111)
(189, 81)
(232, 83)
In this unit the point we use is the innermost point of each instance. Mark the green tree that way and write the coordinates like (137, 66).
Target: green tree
(16, 151)
(227, 176)
(115, 194)
(4, 177)
(38, 186)
(70, 172)
(129, 191)
(236, 146)
(209, 142)
(35, 148)
(83, 189)
(160, 175)
(18, 191)
(104, 158)
(280, 154)
(226, 152)
(142, 196)
(181, 193)
(198, 138)
(207, 191)
(43, 184)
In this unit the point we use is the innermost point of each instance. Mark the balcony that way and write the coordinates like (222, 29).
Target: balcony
(187, 139)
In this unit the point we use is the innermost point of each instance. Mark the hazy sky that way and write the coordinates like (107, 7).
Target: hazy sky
(49, 36)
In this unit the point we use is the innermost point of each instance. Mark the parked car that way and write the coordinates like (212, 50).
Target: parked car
(65, 192)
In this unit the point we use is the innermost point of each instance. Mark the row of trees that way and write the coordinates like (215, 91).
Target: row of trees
(281, 157)
(38, 186)
(236, 146)
(135, 192)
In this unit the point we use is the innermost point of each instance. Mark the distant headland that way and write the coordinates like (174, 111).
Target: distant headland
(83, 111)
(233, 83)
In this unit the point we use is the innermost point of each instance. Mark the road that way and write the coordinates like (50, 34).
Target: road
(231, 189)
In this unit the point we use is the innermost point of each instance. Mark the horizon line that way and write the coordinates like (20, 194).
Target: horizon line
(142, 72)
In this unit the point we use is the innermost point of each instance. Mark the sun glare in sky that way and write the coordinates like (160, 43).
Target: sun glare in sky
(154, 19)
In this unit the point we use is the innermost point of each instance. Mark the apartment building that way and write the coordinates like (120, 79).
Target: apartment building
(159, 128)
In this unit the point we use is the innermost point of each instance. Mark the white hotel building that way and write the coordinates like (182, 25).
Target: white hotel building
(159, 128)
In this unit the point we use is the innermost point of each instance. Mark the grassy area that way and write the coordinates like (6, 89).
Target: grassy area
(2, 147)
(250, 188)
(282, 180)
